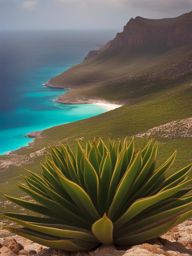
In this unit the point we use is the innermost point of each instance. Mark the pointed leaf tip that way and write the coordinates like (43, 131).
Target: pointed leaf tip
(103, 230)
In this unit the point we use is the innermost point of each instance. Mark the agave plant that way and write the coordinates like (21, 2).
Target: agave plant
(102, 193)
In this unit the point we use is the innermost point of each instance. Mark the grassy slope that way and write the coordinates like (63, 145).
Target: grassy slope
(127, 78)
(153, 110)
(129, 119)
(154, 88)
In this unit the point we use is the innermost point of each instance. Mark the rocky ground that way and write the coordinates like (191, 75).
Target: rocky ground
(14, 159)
(175, 129)
(177, 242)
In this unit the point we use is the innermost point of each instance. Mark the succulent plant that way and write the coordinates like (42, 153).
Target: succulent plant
(102, 193)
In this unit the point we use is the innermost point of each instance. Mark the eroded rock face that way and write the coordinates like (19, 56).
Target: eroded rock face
(150, 35)
(164, 34)
(13, 245)
(177, 242)
(4, 251)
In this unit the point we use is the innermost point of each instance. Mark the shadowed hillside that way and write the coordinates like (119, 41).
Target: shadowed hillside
(148, 56)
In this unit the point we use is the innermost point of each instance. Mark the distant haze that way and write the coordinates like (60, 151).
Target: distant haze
(84, 14)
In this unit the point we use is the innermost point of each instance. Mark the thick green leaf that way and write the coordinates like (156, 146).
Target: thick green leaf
(146, 235)
(147, 151)
(103, 230)
(176, 175)
(64, 233)
(146, 223)
(36, 186)
(52, 178)
(94, 158)
(175, 183)
(33, 219)
(58, 210)
(79, 158)
(116, 174)
(67, 245)
(124, 187)
(158, 177)
(30, 206)
(105, 177)
(91, 179)
(184, 217)
(166, 205)
(148, 167)
(81, 198)
(113, 153)
(118, 169)
(71, 165)
(59, 198)
(57, 158)
(101, 147)
(129, 154)
(142, 204)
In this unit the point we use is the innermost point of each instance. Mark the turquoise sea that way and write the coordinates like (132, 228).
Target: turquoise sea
(27, 61)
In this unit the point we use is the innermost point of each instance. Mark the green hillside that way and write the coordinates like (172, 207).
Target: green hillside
(127, 80)
(129, 120)
(154, 85)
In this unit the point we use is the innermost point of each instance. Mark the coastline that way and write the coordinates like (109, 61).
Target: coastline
(65, 99)
(108, 106)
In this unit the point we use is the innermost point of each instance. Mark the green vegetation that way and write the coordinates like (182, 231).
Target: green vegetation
(103, 193)
(155, 87)
(126, 78)
(151, 111)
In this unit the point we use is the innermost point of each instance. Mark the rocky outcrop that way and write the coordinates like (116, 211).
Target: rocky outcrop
(33, 135)
(172, 130)
(14, 159)
(141, 34)
(177, 242)
(149, 56)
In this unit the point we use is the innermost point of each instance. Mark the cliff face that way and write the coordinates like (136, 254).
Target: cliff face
(147, 57)
(147, 34)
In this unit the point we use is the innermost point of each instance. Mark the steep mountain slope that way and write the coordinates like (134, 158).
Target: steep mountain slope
(148, 56)
(152, 35)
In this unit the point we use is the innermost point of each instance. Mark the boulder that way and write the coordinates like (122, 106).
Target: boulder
(13, 245)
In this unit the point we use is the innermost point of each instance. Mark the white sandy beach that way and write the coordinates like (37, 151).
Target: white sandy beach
(107, 105)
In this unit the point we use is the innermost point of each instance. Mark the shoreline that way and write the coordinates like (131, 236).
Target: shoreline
(108, 106)
(102, 103)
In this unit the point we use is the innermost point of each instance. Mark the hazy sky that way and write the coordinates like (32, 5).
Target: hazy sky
(84, 14)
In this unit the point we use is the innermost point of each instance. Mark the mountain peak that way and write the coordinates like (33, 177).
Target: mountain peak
(142, 34)
(159, 33)
(186, 15)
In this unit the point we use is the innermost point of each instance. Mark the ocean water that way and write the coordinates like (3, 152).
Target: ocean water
(28, 59)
